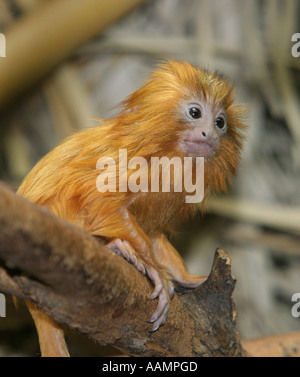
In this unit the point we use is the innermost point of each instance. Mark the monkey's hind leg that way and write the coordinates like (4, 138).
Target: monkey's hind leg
(51, 336)
(171, 262)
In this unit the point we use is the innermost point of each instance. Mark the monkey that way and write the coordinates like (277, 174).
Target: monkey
(180, 111)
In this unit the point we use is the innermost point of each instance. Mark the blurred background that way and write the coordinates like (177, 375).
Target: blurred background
(69, 61)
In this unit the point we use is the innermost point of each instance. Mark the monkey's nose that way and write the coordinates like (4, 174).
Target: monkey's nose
(208, 136)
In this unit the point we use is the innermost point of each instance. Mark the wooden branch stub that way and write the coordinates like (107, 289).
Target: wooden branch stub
(81, 283)
(213, 309)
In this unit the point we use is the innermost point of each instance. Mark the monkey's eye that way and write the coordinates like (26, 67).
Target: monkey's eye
(220, 122)
(195, 112)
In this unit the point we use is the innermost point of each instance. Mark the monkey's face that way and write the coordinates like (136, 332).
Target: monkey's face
(205, 126)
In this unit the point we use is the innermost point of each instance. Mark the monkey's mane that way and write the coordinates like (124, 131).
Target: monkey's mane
(150, 122)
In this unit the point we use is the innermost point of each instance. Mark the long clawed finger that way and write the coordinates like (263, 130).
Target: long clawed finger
(124, 249)
(161, 319)
(164, 293)
(133, 259)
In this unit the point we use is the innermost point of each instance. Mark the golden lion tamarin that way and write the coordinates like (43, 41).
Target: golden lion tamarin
(181, 111)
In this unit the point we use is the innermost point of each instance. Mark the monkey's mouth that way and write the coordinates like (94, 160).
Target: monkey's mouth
(199, 148)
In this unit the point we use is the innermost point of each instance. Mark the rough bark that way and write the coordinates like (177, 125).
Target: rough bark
(79, 282)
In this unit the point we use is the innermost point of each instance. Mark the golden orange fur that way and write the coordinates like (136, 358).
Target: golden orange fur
(64, 180)
(148, 125)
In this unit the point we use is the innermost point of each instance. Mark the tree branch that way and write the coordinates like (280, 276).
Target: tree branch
(78, 281)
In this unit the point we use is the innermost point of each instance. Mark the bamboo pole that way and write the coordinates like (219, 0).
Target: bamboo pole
(282, 217)
(37, 43)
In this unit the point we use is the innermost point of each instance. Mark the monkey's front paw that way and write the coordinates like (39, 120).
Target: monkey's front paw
(163, 288)
(164, 291)
(124, 249)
